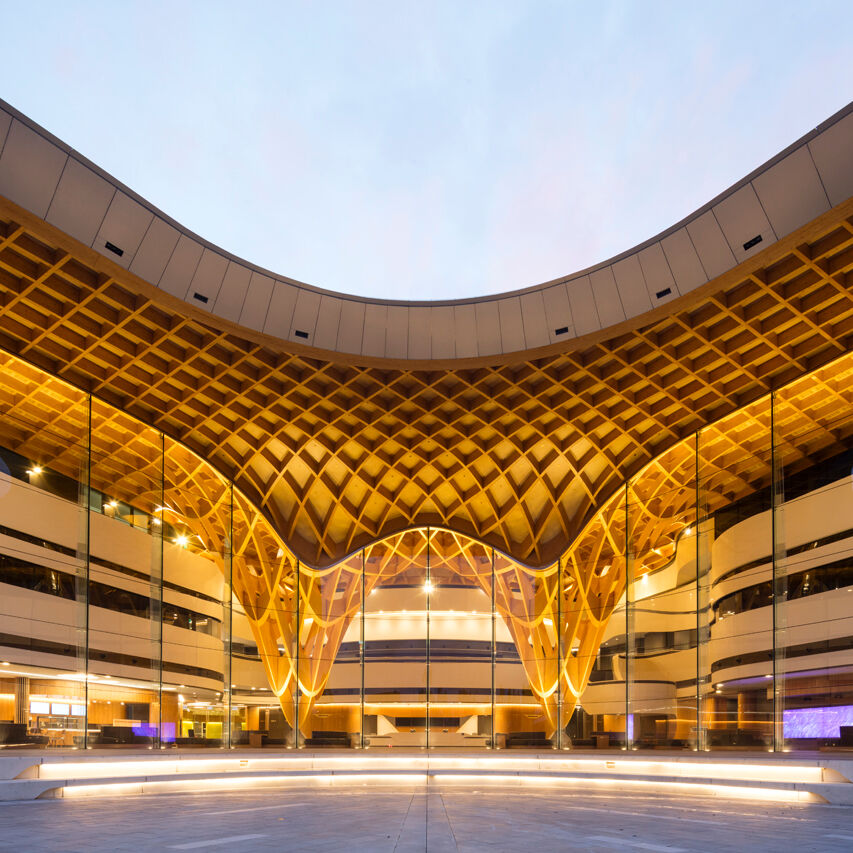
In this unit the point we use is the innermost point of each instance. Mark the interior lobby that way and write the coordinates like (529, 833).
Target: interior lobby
(612, 512)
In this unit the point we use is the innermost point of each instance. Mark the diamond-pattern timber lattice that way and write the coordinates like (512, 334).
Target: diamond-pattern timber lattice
(520, 453)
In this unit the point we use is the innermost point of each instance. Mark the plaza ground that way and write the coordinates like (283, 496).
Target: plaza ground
(400, 819)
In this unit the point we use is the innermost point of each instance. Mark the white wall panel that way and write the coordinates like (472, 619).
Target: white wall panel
(683, 261)
(558, 314)
(30, 168)
(606, 296)
(256, 304)
(465, 330)
(280, 313)
(419, 332)
(711, 245)
(181, 268)
(632, 286)
(80, 202)
(351, 328)
(375, 322)
(154, 252)
(831, 152)
(533, 320)
(742, 219)
(305, 315)
(124, 226)
(791, 193)
(229, 301)
(207, 279)
(442, 332)
(328, 320)
(488, 328)
(397, 333)
(657, 274)
(582, 305)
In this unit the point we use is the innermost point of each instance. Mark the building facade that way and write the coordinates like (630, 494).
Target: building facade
(611, 511)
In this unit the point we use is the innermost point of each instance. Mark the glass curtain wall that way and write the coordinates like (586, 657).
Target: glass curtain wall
(146, 602)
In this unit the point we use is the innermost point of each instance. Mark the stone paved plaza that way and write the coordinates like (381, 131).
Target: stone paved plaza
(451, 818)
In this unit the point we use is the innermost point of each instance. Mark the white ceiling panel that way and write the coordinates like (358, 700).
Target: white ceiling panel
(743, 222)
(607, 299)
(5, 124)
(419, 332)
(305, 316)
(229, 301)
(465, 330)
(488, 328)
(30, 169)
(632, 286)
(351, 328)
(80, 202)
(512, 327)
(683, 260)
(832, 155)
(442, 332)
(257, 302)
(181, 268)
(328, 320)
(582, 304)
(397, 333)
(659, 281)
(558, 314)
(154, 252)
(711, 245)
(207, 280)
(124, 226)
(375, 322)
(280, 313)
(533, 320)
(791, 193)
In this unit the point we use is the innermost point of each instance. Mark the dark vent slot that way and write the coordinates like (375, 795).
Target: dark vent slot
(300, 334)
(753, 242)
(561, 331)
(201, 298)
(665, 292)
(113, 248)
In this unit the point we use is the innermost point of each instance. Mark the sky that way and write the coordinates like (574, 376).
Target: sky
(432, 150)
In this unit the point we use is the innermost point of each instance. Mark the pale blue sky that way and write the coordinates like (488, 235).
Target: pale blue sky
(432, 150)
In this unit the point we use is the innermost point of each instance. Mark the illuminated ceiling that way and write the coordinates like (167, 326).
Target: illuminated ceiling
(520, 453)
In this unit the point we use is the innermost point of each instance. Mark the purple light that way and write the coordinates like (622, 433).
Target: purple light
(816, 722)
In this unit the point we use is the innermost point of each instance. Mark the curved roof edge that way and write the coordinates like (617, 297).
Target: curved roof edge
(45, 176)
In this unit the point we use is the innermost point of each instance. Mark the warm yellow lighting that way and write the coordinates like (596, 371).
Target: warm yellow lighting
(111, 505)
(181, 541)
(604, 571)
(5, 663)
(428, 587)
(36, 469)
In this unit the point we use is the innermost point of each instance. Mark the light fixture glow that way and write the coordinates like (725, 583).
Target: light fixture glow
(428, 587)
(181, 541)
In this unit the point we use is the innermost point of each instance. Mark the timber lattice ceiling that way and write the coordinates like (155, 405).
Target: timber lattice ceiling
(519, 454)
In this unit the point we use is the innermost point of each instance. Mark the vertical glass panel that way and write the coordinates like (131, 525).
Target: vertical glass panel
(813, 442)
(460, 642)
(735, 476)
(330, 654)
(662, 689)
(196, 524)
(527, 698)
(125, 580)
(396, 641)
(265, 651)
(593, 632)
(43, 558)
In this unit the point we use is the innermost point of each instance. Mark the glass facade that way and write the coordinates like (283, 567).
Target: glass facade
(705, 605)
